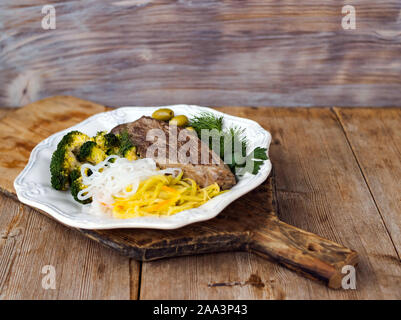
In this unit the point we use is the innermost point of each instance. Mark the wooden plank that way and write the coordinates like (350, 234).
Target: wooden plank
(212, 276)
(320, 189)
(147, 52)
(24, 128)
(84, 269)
(249, 224)
(375, 138)
(5, 111)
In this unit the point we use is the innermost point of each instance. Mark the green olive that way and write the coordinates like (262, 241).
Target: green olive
(180, 121)
(192, 131)
(163, 114)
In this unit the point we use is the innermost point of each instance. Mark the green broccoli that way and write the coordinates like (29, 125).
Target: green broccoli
(109, 142)
(91, 152)
(129, 153)
(127, 148)
(77, 185)
(64, 160)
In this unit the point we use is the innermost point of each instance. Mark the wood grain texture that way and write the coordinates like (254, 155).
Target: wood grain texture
(375, 137)
(302, 251)
(84, 269)
(249, 223)
(334, 203)
(83, 272)
(211, 52)
(320, 189)
(17, 128)
(4, 112)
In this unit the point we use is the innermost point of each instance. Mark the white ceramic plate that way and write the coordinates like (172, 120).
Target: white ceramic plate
(34, 189)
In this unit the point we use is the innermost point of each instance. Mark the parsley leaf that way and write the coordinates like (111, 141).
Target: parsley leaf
(254, 161)
(230, 144)
(260, 153)
(256, 166)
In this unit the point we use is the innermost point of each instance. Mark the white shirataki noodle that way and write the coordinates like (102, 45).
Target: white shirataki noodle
(110, 179)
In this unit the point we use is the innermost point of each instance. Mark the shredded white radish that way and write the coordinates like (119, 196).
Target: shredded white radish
(110, 179)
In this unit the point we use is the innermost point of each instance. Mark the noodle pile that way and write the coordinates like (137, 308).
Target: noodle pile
(115, 177)
(128, 189)
(163, 195)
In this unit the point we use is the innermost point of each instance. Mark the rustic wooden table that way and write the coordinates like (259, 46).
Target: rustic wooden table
(338, 173)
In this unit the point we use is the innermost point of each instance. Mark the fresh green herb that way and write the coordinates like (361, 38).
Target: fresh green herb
(235, 153)
(256, 166)
(254, 161)
(260, 153)
(219, 140)
(206, 120)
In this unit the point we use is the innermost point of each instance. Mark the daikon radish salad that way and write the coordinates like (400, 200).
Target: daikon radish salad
(127, 189)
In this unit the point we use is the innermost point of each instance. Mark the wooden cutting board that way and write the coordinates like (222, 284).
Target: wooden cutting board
(248, 224)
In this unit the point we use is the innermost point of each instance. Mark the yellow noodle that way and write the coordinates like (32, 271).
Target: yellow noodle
(163, 195)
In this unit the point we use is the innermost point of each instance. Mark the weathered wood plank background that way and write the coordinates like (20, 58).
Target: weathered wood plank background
(337, 174)
(208, 52)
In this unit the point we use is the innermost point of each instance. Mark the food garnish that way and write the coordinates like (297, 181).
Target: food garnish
(180, 121)
(254, 161)
(219, 140)
(190, 129)
(206, 120)
(163, 114)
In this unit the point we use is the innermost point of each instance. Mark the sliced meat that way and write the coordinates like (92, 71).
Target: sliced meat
(174, 147)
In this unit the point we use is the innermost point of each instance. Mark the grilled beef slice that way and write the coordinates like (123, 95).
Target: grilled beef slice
(185, 154)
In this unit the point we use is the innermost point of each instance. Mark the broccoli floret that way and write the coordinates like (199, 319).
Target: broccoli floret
(91, 152)
(125, 141)
(127, 148)
(77, 186)
(64, 160)
(75, 174)
(109, 142)
(99, 138)
(130, 153)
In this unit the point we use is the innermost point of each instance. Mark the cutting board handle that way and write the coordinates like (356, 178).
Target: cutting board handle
(303, 251)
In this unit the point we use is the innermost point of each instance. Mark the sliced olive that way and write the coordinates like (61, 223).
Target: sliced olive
(163, 114)
(180, 121)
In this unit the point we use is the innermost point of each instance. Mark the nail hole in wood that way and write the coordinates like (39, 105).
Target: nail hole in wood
(312, 247)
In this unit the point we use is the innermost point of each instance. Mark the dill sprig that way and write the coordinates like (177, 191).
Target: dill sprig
(235, 155)
(206, 120)
(235, 136)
